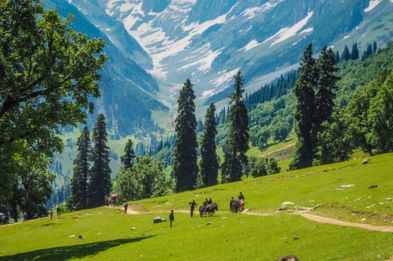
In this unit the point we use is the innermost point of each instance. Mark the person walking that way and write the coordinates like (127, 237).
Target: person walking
(51, 214)
(125, 208)
(192, 204)
(58, 211)
(231, 204)
(171, 218)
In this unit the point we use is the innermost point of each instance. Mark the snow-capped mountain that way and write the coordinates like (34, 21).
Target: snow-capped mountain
(209, 40)
(128, 92)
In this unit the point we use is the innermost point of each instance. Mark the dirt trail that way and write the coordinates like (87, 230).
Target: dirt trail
(312, 217)
(327, 220)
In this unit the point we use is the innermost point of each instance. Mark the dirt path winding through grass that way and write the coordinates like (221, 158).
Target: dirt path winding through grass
(328, 220)
(307, 215)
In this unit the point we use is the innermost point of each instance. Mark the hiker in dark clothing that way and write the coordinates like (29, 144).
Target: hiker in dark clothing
(205, 202)
(209, 201)
(125, 208)
(51, 214)
(231, 204)
(58, 211)
(241, 196)
(171, 218)
(192, 207)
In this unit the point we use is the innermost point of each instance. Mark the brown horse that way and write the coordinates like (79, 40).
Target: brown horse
(242, 204)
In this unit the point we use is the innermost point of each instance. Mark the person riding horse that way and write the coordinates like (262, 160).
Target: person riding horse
(237, 205)
(208, 209)
(242, 202)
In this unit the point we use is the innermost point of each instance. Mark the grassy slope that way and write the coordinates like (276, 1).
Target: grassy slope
(108, 234)
(307, 188)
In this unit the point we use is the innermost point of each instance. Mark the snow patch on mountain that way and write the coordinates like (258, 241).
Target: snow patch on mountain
(250, 13)
(373, 4)
(307, 30)
(208, 93)
(288, 32)
(224, 77)
(133, 17)
(202, 62)
(251, 45)
(160, 46)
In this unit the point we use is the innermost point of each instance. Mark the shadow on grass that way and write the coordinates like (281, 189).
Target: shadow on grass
(68, 252)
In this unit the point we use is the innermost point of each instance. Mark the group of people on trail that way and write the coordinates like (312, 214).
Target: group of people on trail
(57, 212)
(208, 207)
(237, 205)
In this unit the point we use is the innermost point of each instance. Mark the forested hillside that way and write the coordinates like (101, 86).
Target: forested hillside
(269, 119)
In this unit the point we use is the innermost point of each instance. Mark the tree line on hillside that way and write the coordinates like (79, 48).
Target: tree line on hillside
(277, 88)
(48, 75)
(328, 133)
(354, 54)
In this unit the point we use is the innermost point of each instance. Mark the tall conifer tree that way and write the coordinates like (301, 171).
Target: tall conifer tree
(185, 157)
(346, 55)
(237, 142)
(305, 110)
(355, 52)
(368, 52)
(209, 162)
(100, 174)
(338, 58)
(239, 119)
(129, 155)
(325, 91)
(79, 183)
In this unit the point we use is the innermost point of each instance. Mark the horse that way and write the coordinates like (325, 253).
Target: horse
(237, 205)
(211, 208)
(208, 210)
(242, 204)
(201, 210)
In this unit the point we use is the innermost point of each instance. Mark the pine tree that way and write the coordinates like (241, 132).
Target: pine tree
(100, 179)
(355, 52)
(239, 119)
(305, 110)
(368, 52)
(375, 47)
(185, 158)
(345, 55)
(209, 162)
(237, 142)
(232, 167)
(338, 59)
(79, 182)
(129, 155)
(325, 91)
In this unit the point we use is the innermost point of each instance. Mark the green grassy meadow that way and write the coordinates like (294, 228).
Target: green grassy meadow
(111, 235)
